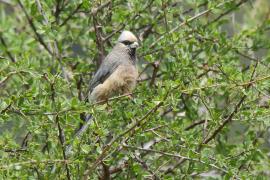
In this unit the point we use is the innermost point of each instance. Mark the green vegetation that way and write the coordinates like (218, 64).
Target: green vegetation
(200, 108)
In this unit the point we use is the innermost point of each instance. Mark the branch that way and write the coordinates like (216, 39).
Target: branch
(32, 25)
(79, 133)
(146, 167)
(55, 49)
(9, 75)
(109, 145)
(71, 14)
(6, 48)
(194, 125)
(88, 120)
(99, 40)
(106, 172)
(8, 2)
(123, 25)
(26, 139)
(123, 163)
(99, 8)
(14, 150)
(186, 22)
(155, 71)
(61, 137)
(236, 109)
(177, 156)
(227, 12)
(226, 121)
(57, 10)
(30, 162)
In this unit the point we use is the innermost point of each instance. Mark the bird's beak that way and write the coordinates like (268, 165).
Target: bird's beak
(134, 45)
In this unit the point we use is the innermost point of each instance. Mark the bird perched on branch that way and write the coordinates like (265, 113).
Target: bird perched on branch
(118, 73)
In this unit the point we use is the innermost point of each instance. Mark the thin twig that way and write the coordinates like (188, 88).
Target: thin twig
(186, 22)
(155, 71)
(9, 75)
(71, 15)
(177, 156)
(30, 162)
(6, 48)
(109, 145)
(32, 25)
(62, 140)
(227, 12)
(61, 135)
(236, 109)
(53, 48)
(194, 125)
(226, 121)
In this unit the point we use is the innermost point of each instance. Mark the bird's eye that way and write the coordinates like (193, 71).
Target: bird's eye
(126, 42)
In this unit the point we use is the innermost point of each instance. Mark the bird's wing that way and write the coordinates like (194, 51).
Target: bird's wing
(105, 70)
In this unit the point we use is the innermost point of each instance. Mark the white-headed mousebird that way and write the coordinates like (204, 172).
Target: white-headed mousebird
(118, 73)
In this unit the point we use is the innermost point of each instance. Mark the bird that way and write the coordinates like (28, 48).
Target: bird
(117, 74)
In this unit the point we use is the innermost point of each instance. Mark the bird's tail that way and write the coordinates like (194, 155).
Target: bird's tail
(79, 132)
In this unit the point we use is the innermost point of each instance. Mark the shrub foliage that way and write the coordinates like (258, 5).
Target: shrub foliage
(200, 109)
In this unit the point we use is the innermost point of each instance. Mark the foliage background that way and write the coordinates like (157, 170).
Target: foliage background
(200, 110)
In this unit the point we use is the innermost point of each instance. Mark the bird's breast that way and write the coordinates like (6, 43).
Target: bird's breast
(121, 81)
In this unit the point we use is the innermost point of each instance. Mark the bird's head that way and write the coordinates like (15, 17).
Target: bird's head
(128, 39)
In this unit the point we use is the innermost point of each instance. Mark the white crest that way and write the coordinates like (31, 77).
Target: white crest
(127, 36)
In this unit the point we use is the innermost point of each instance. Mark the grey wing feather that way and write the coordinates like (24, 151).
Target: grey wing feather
(105, 70)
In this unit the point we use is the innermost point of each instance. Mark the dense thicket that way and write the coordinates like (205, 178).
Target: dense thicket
(200, 109)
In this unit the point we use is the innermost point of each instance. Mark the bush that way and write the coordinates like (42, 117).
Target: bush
(200, 109)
